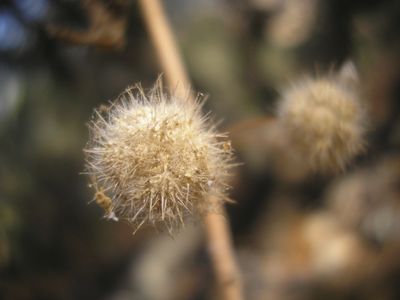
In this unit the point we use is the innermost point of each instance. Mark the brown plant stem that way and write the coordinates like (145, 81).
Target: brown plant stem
(165, 46)
(222, 256)
(216, 225)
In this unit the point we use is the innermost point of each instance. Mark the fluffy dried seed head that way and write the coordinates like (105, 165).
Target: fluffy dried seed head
(325, 119)
(154, 159)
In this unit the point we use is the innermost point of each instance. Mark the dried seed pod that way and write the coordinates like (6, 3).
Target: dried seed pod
(325, 119)
(157, 158)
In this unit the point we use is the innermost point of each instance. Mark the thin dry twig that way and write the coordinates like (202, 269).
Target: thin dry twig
(222, 256)
(165, 46)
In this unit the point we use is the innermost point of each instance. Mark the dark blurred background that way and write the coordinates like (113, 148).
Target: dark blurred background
(298, 235)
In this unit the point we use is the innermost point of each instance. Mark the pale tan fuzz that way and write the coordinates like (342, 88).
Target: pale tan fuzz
(325, 119)
(156, 158)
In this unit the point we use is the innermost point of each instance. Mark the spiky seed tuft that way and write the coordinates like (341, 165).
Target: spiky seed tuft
(157, 158)
(325, 119)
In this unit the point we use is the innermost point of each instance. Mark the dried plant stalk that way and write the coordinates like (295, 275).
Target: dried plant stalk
(216, 226)
(222, 256)
(165, 46)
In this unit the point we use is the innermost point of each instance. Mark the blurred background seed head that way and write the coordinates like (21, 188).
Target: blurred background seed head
(325, 119)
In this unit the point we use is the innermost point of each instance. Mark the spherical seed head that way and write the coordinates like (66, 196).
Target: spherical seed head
(157, 158)
(325, 119)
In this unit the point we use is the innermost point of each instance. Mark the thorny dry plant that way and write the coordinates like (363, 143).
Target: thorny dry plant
(156, 159)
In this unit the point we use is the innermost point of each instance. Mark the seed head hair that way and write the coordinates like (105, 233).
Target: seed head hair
(156, 159)
(325, 119)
